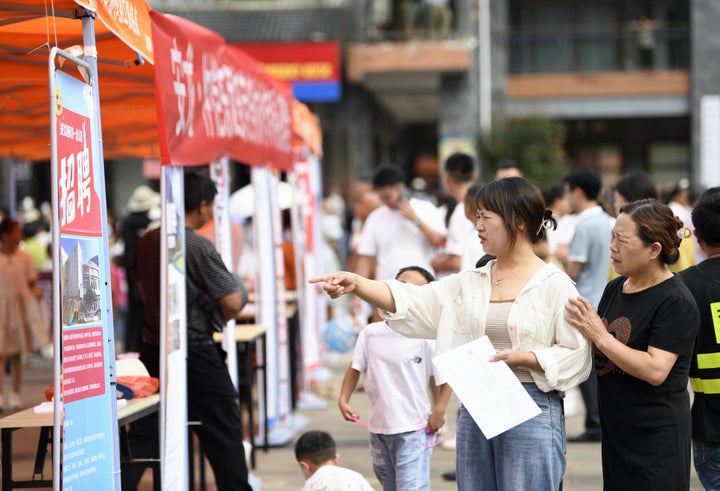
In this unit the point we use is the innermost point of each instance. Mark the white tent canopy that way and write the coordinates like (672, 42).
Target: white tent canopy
(242, 201)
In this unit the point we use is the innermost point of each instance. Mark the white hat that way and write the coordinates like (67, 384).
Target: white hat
(31, 215)
(143, 199)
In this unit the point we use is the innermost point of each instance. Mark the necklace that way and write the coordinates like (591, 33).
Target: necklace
(498, 280)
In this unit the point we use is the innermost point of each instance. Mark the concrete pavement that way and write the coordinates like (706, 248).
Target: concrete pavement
(277, 468)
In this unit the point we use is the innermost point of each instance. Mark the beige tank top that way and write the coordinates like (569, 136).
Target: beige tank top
(497, 330)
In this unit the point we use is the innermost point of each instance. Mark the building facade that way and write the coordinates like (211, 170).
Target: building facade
(631, 80)
(634, 82)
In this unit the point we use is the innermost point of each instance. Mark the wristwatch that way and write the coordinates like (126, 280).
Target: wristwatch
(417, 221)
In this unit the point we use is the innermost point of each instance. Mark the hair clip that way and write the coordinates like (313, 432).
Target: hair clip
(684, 233)
(546, 222)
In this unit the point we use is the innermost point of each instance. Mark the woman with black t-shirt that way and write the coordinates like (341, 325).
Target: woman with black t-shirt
(643, 336)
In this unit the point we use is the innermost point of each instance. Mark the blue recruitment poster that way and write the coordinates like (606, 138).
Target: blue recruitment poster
(173, 368)
(90, 443)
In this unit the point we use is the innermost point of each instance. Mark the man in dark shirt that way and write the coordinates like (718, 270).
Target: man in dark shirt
(703, 281)
(213, 296)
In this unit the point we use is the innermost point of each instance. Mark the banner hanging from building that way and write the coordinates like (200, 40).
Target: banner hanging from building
(313, 69)
(213, 100)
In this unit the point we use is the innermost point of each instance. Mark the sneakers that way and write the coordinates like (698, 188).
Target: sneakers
(47, 351)
(449, 475)
(13, 402)
(588, 436)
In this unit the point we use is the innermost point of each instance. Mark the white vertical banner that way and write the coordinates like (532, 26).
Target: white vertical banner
(314, 217)
(283, 335)
(221, 218)
(710, 140)
(173, 329)
(265, 292)
(307, 232)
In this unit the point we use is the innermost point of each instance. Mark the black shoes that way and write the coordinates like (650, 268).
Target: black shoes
(588, 436)
(449, 476)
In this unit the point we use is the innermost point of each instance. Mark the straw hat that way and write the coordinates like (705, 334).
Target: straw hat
(143, 199)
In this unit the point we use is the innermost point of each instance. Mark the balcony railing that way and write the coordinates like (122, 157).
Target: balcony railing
(403, 21)
(631, 48)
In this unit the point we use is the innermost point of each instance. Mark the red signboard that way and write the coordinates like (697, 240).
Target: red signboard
(312, 68)
(79, 204)
(213, 100)
(307, 62)
(83, 364)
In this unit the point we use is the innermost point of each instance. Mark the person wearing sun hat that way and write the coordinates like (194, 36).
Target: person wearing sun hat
(143, 200)
(143, 208)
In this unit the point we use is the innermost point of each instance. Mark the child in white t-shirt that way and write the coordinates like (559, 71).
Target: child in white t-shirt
(402, 421)
(318, 459)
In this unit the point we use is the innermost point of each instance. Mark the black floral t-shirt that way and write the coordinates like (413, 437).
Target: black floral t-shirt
(646, 429)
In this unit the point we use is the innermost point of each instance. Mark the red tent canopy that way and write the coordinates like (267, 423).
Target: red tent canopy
(214, 100)
(240, 111)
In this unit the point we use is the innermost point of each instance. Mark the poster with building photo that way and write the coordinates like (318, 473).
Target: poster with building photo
(81, 300)
(87, 409)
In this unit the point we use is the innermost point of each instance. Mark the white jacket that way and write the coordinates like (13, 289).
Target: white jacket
(454, 309)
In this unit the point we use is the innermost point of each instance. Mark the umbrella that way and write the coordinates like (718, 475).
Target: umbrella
(242, 201)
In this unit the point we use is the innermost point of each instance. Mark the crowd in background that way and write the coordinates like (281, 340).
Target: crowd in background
(387, 225)
(620, 246)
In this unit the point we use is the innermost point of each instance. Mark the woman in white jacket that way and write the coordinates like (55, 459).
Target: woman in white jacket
(518, 301)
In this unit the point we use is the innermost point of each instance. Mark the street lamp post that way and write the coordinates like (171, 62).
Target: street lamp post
(484, 67)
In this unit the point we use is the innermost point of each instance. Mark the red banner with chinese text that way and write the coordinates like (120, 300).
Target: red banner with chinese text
(213, 100)
(79, 204)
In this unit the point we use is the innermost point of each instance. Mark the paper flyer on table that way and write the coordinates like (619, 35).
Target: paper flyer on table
(490, 391)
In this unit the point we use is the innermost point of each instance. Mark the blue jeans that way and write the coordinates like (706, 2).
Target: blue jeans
(401, 461)
(707, 463)
(530, 456)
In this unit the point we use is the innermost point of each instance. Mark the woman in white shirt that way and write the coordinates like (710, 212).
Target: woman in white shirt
(518, 301)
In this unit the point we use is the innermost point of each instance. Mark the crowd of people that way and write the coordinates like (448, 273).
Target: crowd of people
(617, 297)
(573, 290)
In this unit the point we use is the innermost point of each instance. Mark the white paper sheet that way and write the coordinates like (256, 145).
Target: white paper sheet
(490, 392)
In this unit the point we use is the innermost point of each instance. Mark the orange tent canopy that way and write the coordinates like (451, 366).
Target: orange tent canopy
(307, 128)
(127, 95)
(29, 28)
